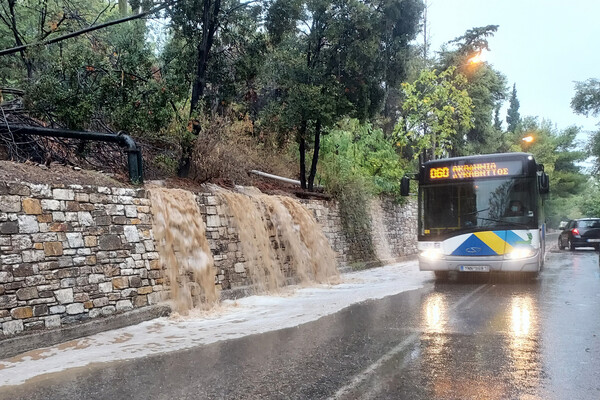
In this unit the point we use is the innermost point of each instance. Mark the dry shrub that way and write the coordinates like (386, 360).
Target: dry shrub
(226, 150)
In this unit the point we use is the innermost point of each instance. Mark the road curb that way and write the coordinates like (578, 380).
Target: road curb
(10, 347)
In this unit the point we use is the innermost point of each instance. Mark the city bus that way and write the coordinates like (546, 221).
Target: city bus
(481, 213)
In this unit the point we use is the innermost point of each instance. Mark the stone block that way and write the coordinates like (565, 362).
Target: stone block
(140, 301)
(45, 237)
(40, 309)
(145, 290)
(131, 211)
(52, 321)
(63, 194)
(90, 241)
(124, 305)
(65, 261)
(8, 228)
(91, 260)
(108, 310)
(95, 313)
(105, 287)
(100, 302)
(10, 203)
(68, 283)
(57, 309)
(120, 283)
(6, 277)
(50, 205)
(12, 327)
(28, 224)
(96, 278)
(8, 301)
(213, 221)
(72, 206)
(75, 239)
(22, 312)
(131, 234)
(22, 271)
(27, 293)
(32, 206)
(44, 218)
(53, 249)
(85, 218)
(154, 298)
(82, 197)
(58, 216)
(135, 281)
(31, 256)
(75, 308)
(109, 242)
(64, 296)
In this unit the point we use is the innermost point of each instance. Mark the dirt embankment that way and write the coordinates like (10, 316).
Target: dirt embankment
(55, 174)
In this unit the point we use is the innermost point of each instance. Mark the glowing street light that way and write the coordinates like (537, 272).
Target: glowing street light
(476, 59)
(528, 139)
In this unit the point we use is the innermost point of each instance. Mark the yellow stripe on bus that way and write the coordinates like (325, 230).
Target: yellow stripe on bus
(494, 241)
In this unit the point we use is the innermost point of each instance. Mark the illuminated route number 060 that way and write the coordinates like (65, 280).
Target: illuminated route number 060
(437, 173)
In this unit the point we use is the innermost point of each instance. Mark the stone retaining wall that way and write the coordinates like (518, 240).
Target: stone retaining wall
(72, 253)
(69, 254)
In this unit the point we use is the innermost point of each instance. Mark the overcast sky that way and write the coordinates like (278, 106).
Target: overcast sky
(541, 45)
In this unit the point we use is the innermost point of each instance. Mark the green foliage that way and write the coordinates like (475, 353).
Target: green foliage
(513, 118)
(358, 151)
(558, 152)
(436, 106)
(587, 97)
(590, 199)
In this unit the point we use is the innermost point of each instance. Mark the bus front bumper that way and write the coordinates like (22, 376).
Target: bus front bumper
(448, 263)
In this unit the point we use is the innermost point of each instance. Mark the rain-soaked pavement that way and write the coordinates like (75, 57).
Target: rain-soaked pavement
(473, 337)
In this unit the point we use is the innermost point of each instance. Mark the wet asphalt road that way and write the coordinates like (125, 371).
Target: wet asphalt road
(473, 337)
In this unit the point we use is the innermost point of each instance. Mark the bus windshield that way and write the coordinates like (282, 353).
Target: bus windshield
(490, 204)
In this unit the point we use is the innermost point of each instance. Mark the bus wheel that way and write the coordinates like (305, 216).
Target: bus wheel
(441, 275)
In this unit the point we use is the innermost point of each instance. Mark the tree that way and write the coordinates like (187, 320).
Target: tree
(327, 63)
(558, 151)
(486, 88)
(435, 108)
(513, 119)
(586, 100)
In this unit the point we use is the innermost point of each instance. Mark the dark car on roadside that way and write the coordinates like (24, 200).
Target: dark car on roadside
(584, 232)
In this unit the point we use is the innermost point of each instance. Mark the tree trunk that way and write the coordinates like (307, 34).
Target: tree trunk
(210, 19)
(315, 158)
(302, 143)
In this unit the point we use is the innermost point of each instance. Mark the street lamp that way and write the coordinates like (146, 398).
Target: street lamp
(528, 139)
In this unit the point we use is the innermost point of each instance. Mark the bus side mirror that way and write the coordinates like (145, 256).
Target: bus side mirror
(544, 183)
(404, 186)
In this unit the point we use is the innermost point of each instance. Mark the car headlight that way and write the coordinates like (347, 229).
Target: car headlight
(520, 252)
(432, 254)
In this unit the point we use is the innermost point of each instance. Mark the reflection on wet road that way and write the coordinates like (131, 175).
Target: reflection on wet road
(477, 337)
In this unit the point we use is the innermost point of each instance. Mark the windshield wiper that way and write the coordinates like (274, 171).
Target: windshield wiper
(474, 212)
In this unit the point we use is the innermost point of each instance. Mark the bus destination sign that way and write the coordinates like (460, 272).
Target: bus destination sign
(474, 170)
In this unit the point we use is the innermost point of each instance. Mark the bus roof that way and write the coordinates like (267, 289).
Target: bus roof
(484, 157)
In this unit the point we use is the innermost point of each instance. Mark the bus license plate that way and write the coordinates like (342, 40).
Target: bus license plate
(475, 268)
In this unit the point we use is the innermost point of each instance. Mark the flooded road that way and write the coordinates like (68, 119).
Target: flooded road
(473, 337)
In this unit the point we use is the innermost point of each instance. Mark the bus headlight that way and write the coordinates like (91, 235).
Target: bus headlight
(432, 254)
(520, 252)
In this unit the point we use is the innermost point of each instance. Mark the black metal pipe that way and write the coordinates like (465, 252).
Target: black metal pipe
(134, 154)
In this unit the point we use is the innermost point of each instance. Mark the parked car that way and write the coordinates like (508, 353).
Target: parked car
(584, 232)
